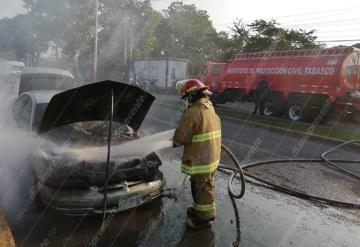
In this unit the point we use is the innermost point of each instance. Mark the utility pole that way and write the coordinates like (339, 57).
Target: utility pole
(96, 38)
(131, 43)
(126, 40)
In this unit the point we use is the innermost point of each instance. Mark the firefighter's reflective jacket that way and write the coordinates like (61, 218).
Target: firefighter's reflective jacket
(6, 237)
(200, 133)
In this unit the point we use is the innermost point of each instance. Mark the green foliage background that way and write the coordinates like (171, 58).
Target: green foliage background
(132, 29)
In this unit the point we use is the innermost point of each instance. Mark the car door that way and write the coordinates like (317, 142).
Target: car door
(22, 111)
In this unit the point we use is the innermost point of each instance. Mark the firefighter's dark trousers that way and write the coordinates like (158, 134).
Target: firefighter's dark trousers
(203, 193)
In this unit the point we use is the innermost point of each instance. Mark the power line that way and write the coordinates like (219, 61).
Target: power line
(326, 22)
(317, 12)
(340, 36)
(339, 31)
(340, 40)
(307, 24)
(323, 17)
(306, 14)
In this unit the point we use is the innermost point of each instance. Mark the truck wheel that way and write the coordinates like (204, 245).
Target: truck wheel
(272, 106)
(296, 111)
(317, 114)
(347, 114)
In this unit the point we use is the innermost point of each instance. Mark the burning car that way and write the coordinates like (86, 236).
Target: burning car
(70, 167)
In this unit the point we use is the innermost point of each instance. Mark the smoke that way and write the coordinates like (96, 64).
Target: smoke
(15, 148)
(132, 149)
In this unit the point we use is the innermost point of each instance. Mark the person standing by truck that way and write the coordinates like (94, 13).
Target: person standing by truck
(261, 92)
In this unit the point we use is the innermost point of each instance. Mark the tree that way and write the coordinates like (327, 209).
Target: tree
(262, 35)
(69, 24)
(132, 29)
(127, 32)
(226, 46)
(186, 32)
(18, 35)
(357, 45)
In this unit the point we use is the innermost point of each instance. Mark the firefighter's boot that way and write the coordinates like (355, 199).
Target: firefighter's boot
(190, 211)
(195, 223)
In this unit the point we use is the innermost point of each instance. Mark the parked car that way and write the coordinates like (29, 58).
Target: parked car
(74, 121)
(29, 108)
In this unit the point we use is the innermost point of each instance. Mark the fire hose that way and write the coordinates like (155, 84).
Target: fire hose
(232, 194)
(244, 176)
(238, 172)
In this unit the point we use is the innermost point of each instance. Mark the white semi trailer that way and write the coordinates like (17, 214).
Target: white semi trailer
(10, 72)
(160, 73)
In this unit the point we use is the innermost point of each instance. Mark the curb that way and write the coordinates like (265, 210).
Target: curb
(288, 131)
(279, 129)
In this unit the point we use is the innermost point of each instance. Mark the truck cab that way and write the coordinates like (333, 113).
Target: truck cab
(213, 74)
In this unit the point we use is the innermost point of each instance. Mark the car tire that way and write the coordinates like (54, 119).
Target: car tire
(39, 204)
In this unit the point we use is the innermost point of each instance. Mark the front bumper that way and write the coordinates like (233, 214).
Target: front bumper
(90, 202)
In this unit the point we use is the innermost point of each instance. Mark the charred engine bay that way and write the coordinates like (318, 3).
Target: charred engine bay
(58, 168)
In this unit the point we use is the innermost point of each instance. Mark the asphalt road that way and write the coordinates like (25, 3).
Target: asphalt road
(241, 137)
(267, 218)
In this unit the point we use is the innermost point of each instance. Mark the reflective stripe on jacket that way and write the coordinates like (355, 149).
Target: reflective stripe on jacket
(200, 133)
(205, 207)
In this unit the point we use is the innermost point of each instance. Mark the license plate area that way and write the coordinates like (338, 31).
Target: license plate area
(129, 202)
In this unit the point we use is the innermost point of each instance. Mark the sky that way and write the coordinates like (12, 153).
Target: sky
(9, 8)
(335, 21)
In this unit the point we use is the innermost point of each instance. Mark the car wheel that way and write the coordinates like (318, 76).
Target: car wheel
(38, 202)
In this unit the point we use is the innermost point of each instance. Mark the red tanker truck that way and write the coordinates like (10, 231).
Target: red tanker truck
(300, 82)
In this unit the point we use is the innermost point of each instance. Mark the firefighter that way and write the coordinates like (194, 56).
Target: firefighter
(200, 133)
(261, 92)
(6, 237)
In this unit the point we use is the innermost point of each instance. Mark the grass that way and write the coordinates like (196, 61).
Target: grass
(322, 131)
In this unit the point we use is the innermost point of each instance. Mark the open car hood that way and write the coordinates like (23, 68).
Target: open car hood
(92, 102)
